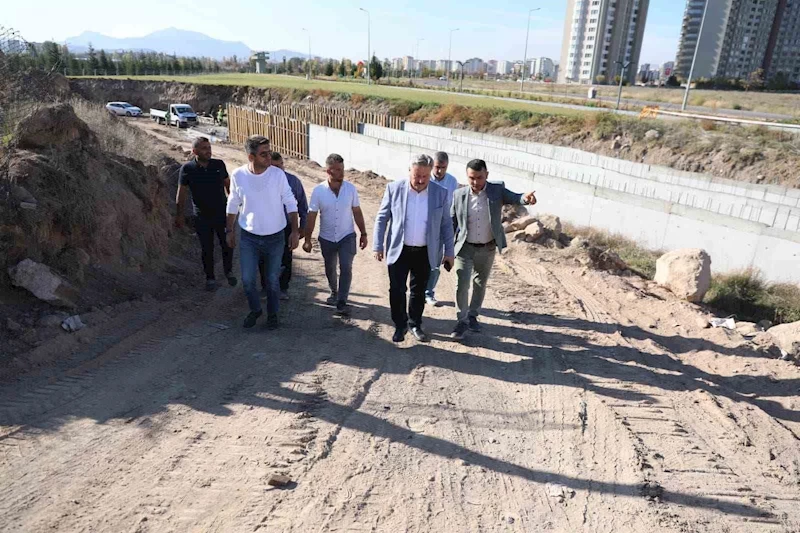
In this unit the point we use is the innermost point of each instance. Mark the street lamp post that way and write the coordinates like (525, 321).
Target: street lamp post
(449, 56)
(308, 62)
(525, 56)
(694, 57)
(461, 64)
(416, 57)
(369, 46)
(621, 78)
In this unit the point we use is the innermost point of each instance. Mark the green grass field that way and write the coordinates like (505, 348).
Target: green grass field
(351, 87)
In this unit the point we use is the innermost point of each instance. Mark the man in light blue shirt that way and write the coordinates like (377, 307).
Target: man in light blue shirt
(440, 176)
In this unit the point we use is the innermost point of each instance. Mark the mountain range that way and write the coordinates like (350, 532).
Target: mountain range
(172, 41)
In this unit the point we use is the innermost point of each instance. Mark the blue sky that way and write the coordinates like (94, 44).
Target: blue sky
(493, 29)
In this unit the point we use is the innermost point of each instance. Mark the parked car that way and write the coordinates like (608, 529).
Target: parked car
(180, 115)
(123, 109)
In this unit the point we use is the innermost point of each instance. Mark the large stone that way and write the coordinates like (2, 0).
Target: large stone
(552, 224)
(43, 283)
(521, 223)
(787, 336)
(512, 212)
(652, 135)
(535, 231)
(685, 272)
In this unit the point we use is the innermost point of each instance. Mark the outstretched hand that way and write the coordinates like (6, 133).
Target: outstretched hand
(529, 198)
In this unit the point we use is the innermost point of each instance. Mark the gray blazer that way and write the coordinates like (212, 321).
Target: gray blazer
(498, 196)
(391, 219)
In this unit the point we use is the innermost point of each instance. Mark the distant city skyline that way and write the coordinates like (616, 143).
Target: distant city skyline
(338, 29)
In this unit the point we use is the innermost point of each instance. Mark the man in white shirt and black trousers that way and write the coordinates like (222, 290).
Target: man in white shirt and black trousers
(259, 194)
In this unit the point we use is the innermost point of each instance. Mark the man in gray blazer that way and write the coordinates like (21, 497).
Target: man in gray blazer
(412, 229)
(478, 219)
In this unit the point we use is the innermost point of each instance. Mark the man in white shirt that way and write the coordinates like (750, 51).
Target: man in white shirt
(337, 203)
(259, 194)
(414, 232)
(440, 177)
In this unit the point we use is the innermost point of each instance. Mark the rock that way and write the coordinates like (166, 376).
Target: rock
(551, 224)
(553, 244)
(616, 144)
(652, 135)
(513, 212)
(43, 283)
(606, 259)
(507, 227)
(747, 329)
(520, 236)
(764, 325)
(278, 480)
(50, 321)
(535, 230)
(579, 242)
(13, 326)
(652, 490)
(685, 272)
(72, 324)
(702, 322)
(528, 238)
(787, 337)
(522, 223)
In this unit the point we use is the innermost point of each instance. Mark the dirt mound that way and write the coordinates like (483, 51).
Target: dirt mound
(70, 198)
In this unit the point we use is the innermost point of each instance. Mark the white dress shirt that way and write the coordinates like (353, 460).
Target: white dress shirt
(260, 200)
(415, 232)
(335, 212)
(479, 227)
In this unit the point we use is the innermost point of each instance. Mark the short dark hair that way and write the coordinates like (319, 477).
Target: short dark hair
(333, 158)
(276, 156)
(477, 165)
(441, 157)
(198, 141)
(253, 142)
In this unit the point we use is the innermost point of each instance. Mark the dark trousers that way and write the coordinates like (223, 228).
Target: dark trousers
(286, 265)
(414, 261)
(207, 229)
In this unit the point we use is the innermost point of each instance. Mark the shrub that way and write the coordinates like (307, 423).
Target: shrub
(746, 295)
(708, 125)
(603, 125)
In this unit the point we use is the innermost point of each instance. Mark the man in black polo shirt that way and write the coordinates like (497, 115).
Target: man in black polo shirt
(208, 181)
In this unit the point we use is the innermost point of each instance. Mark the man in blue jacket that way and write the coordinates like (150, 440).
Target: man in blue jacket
(478, 217)
(412, 230)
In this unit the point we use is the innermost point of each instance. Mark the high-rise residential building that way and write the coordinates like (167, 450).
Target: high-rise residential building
(667, 69)
(443, 65)
(544, 67)
(491, 67)
(504, 68)
(408, 63)
(600, 36)
(739, 37)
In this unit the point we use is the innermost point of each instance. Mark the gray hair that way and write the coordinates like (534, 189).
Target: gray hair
(333, 159)
(441, 157)
(422, 160)
(253, 142)
(198, 141)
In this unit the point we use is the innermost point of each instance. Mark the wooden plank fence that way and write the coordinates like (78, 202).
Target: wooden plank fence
(322, 115)
(288, 136)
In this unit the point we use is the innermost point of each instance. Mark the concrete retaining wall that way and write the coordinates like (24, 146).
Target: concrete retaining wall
(657, 224)
(775, 206)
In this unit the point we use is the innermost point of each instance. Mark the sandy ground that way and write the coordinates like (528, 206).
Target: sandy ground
(589, 403)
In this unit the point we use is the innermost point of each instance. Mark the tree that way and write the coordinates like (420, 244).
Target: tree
(103, 62)
(779, 82)
(329, 70)
(93, 63)
(672, 81)
(375, 69)
(756, 80)
(342, 70)
(601, 79)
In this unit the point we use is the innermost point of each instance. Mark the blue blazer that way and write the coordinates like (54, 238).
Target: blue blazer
(391, 219)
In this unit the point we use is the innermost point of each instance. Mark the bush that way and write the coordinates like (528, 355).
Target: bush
(603, 125)
(708, 125)
(638, 258)
(746, 295)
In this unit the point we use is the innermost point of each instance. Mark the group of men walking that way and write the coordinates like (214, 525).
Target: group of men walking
(425, 222)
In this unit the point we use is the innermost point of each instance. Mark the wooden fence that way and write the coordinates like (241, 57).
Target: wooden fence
(289, 136)
(335, 117)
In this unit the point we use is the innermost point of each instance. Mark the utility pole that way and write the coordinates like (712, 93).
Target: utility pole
(461, 64)
(449, 56)
(308, 63)
(525, 56)
(694, 57)
(621, 79)
(416, 57)
(369, 58)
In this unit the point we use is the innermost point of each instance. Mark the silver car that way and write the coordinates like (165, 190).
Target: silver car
(123, 109)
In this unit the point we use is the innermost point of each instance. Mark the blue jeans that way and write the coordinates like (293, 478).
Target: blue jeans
(343, 253)
(270, 248)
(432, 281)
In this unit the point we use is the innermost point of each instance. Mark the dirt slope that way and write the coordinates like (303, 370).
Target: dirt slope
(590, 403)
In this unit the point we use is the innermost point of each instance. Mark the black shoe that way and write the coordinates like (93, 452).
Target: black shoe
(474, 325)
(399, 335)
(272, 322)
(284, 296)
(459, 331)
(342, 309)
(332, 299)
(211, 285)
(232, 281)
(419, 334)
(251, 319)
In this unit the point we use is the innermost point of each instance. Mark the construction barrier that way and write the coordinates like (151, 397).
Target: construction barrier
(288, 136)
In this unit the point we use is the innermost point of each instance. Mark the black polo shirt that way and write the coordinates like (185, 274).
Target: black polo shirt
(207, 185)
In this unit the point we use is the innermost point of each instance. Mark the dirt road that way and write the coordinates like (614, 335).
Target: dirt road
(590, 403)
